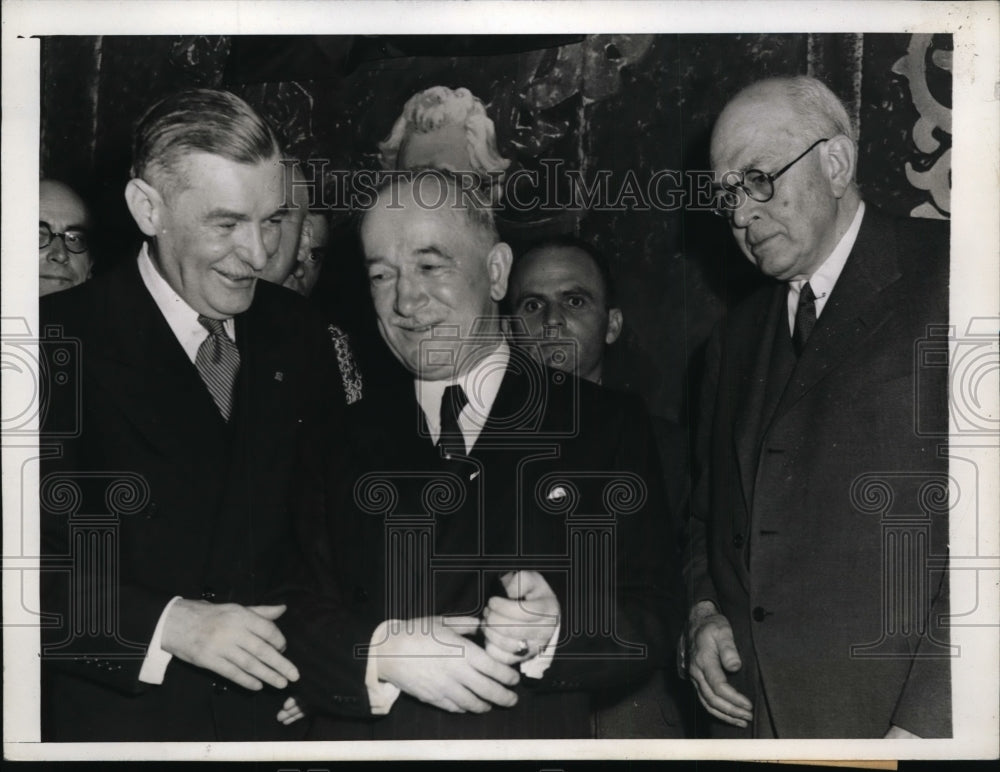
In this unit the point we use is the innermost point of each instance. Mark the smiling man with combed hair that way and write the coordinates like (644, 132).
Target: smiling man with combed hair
(198, 380)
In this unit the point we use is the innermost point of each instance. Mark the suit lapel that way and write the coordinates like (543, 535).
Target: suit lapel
(853, 311)
(749, 418)
(511, 401)
(154, 382)
(260, 399)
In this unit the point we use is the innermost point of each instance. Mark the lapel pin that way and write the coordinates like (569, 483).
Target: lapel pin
(279, 376)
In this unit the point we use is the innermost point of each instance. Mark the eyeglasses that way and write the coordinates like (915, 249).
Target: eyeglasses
(753, 183)
(75, 239)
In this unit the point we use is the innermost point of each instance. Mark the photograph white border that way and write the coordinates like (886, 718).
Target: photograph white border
(975, 283)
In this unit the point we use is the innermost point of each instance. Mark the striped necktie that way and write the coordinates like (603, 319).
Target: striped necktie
(218, 361)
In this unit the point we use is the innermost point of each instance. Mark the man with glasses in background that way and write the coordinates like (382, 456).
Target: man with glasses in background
(808, 450)
(63, 243)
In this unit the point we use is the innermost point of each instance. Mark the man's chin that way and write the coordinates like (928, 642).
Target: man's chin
(232, 301)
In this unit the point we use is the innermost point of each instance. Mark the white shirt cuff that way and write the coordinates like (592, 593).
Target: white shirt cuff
(536, 666)
(154, 666)
(381, 694)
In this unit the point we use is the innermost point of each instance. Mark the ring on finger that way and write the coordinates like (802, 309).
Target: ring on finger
(522, 648)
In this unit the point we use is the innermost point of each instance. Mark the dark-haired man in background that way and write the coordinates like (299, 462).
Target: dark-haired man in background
(198, 380)
(561, 287)
(563, 292)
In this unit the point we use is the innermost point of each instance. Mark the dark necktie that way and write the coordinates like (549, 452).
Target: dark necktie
(452, 402)
(218, 361)
(805, 318)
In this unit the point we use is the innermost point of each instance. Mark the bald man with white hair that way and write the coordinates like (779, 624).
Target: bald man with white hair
(815, 610)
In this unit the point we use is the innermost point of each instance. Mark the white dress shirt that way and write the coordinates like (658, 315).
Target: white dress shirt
(825, 277)
(183, 321)
(481, 385)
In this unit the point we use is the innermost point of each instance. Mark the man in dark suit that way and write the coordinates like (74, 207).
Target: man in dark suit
(819, 527)
(500, 543)
(164, 512)
(562, 290)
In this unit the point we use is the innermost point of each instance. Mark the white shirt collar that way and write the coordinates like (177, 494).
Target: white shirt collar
(183, 319)
(825, 277)
(481, 385)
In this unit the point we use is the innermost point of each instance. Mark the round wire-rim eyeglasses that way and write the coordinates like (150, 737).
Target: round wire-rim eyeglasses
(754, 183)
(75, 239)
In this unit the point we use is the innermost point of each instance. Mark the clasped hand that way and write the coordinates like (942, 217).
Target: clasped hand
(520, 626)
(241, 643)
(430, 659)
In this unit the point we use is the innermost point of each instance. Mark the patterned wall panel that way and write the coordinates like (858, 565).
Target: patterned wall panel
(625, 106)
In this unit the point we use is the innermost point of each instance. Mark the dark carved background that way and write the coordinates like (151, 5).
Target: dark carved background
(624, 103)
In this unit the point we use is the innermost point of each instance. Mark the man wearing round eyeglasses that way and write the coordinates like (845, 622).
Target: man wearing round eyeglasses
(817, 595)
(63, 240)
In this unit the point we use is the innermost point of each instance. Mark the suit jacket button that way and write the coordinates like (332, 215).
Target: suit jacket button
(738, 541)
(360, 595)
(208, 594)
(759, 614)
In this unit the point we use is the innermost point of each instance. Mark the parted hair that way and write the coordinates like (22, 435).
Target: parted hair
(198, 120)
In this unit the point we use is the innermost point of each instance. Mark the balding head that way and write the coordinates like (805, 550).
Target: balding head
(766, 127)
(63, 222)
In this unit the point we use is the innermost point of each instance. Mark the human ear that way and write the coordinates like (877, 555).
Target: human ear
(305, 241)
(498, 263)
(144, 203)
(615, 322)
(839, 161)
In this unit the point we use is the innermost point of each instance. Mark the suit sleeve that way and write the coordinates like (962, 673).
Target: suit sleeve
(320, 625)
(99, 624)
(645, 588)
(697, 578)
(924, 708)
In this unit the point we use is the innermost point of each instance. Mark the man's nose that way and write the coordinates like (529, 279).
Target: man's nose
(554, 316)
(410, 295)
(56, 252)
(744, 214)
(254, 250)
